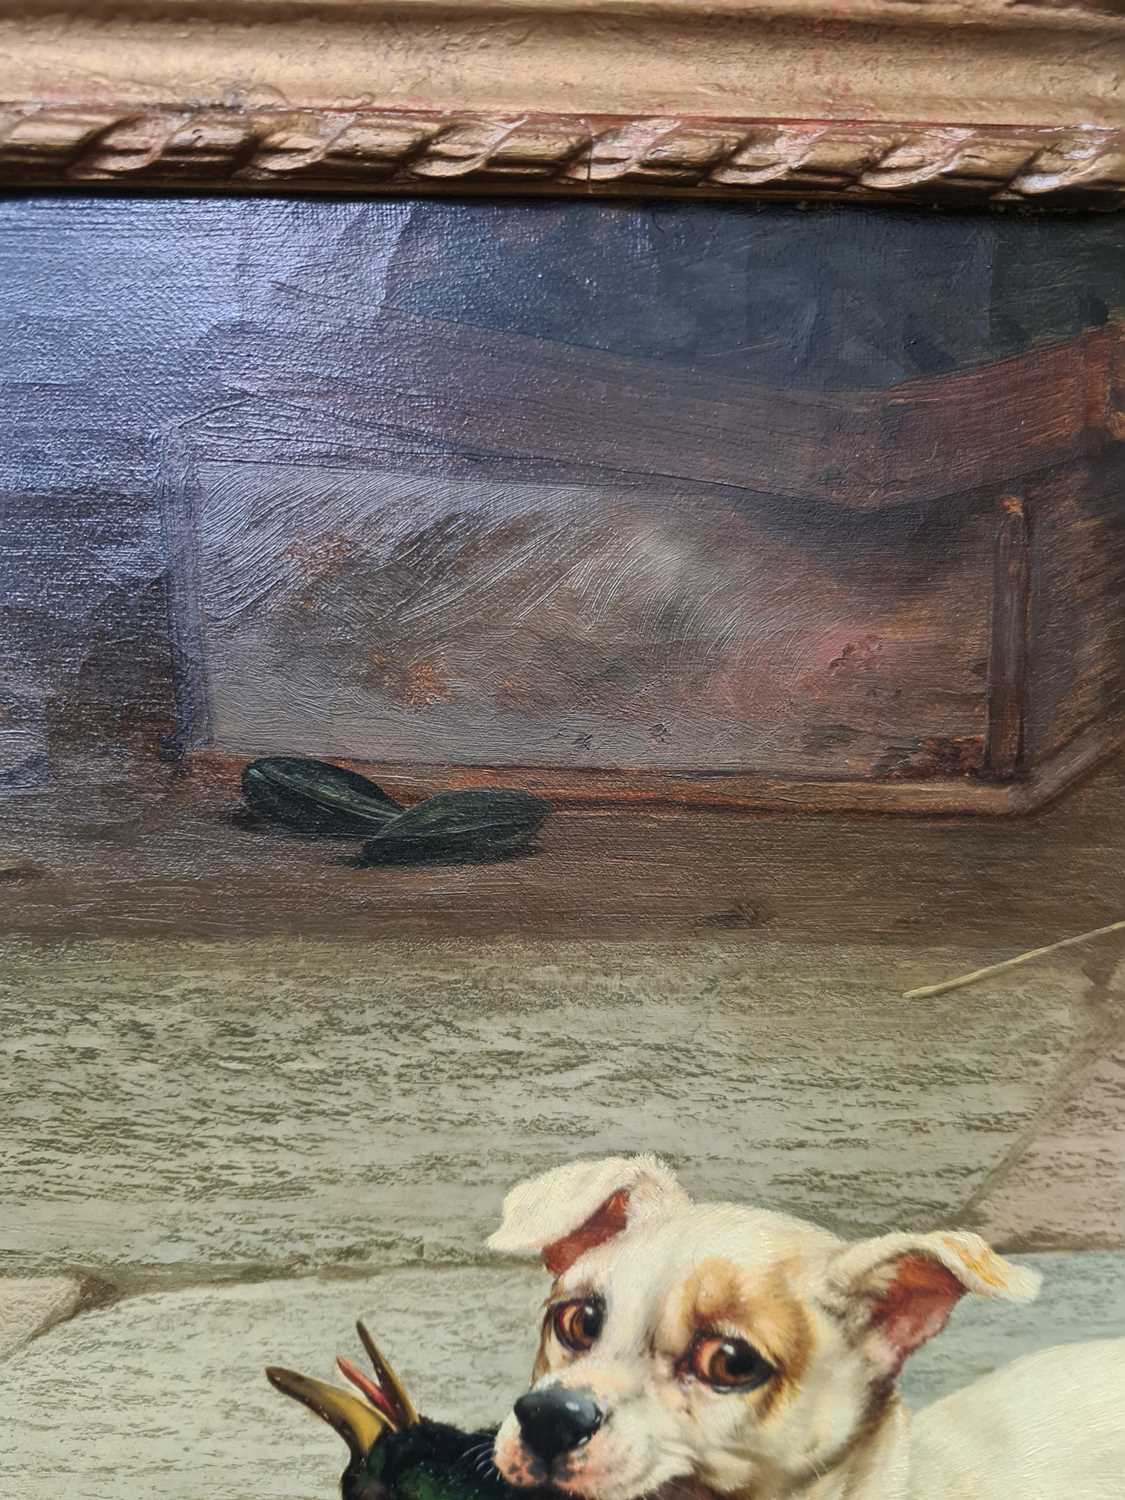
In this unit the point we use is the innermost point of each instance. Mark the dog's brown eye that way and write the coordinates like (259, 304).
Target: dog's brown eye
(728, 1364)
(577, 1324)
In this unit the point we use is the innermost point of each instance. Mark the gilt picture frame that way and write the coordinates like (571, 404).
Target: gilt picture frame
(953, 104)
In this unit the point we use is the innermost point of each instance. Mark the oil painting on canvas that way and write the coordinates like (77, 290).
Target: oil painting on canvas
(662, 638)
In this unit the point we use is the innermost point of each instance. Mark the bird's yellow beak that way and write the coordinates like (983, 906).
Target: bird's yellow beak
(382, 1405)
(359, 1424)
(389, 1390)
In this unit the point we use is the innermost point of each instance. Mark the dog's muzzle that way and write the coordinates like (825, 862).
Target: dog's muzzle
(556, 1421)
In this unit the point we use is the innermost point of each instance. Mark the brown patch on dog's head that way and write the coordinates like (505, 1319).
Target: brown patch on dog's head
(789, 1331)
(567, 1212)
(542, 1363)
(719, 1296)
(714, 1293)
(609, 1219)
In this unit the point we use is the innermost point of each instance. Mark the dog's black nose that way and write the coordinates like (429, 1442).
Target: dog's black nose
(556, 1420)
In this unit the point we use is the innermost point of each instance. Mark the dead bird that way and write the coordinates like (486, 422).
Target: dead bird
(395, 1453)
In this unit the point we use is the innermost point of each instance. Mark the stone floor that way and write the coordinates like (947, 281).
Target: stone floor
(163, 1394)
(221, 1146)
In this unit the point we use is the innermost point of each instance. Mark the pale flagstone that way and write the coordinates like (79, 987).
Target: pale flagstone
(29, 1305)
(1068, 1188)
(164, 1394)
(185, 1106)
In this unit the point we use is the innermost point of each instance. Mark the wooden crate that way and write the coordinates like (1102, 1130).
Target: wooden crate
(615, 582)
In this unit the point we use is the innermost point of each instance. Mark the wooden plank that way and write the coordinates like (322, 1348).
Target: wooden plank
(1008, 647)
(938, 796)
(581, 788)
(1077, 624)
(184, 867)
(513, 395)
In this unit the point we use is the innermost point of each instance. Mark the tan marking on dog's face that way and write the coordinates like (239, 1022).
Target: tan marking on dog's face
(789, 1331)
(713, 1295)
(720, 1297)
(542, 1358)
(542, 1364)
(985, 1265)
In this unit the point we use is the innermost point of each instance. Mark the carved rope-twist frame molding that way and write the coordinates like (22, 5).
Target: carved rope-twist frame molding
(328, 149)
(967, 100)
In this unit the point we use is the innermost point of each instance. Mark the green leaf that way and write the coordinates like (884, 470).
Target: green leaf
(315, 798)
(460, 828)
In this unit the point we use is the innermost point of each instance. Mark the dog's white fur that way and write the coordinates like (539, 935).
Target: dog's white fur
(836, 1319)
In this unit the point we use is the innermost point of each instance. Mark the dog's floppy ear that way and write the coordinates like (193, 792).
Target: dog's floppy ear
(567, 1211)
(901, 1288)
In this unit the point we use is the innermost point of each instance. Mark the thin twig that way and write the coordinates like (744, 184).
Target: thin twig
(928, 990)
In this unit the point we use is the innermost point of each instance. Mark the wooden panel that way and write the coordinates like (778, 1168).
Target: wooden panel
(1008, 646)
(180, 864)
(503, 393)
(475, 622)
(327, 337)
(1077, 684)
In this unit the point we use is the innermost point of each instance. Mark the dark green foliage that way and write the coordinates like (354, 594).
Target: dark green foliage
(459, 827)
(320, 800)
(315, 798)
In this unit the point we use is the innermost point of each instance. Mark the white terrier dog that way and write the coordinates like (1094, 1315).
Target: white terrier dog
(714, 1350)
